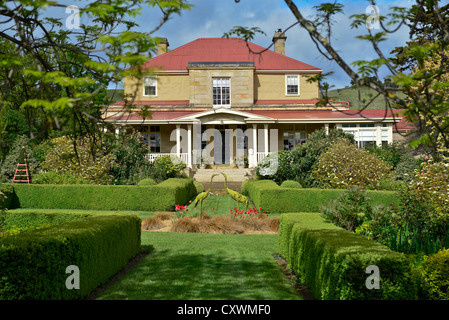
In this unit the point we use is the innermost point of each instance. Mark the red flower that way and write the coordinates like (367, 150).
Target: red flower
(213, 208)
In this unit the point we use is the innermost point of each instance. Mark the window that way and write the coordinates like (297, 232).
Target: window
(292, 139)
(155, 139)
(221, 91)
(150, 86)
(143, 130)
(292, 85)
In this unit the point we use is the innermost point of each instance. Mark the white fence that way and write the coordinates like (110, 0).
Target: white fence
(153, 156)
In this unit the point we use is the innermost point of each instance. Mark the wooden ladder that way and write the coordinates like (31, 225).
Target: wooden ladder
(22, 167)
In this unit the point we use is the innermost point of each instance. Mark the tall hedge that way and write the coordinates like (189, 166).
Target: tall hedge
(273, 198)
(163, 196)
(33, 264)
(333, 262)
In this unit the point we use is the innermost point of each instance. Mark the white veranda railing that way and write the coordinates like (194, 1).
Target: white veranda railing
(153, 156)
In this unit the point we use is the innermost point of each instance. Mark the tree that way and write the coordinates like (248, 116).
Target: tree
(428, 106)
(56, 70)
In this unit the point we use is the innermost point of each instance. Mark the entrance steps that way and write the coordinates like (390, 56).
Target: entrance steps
(233, 175)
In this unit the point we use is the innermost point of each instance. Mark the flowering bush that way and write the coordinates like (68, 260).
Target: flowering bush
(425, 201)
(91, 166)
(344, 165)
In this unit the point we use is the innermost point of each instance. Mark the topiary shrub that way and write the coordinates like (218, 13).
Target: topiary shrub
(291, 184)
(434, 271)
(198, 187)
(147, 182)
(344, 165)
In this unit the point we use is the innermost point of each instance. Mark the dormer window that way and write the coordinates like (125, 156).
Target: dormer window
(221, 91)
(150, 86)
(292, 85)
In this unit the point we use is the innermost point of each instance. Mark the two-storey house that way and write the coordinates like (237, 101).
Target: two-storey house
(222, 98)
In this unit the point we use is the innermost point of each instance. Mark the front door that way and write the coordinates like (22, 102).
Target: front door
(222, 144)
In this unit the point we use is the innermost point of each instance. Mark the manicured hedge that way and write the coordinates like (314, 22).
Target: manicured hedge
(273, 198)
(29, 218)
(33, 264)
(8, 191)
(163, 196)
(333, 262)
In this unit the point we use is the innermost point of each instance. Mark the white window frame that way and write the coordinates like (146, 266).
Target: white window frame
(145, 85)
(298, 79)
(228, 79)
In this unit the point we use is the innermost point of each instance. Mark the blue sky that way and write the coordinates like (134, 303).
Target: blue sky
(212, 18)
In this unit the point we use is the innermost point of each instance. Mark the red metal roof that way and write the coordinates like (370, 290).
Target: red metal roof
(224, 50)
(154, 102)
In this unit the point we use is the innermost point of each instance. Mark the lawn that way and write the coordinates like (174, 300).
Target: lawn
(191, 266)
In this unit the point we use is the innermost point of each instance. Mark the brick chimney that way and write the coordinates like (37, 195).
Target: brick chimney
(279, 42)
(162, 46)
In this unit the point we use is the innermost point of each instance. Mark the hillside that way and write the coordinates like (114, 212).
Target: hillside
(351, 94)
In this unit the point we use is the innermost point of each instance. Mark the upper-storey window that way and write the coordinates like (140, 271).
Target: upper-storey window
(292, 85)
(150, 86)
(221, 91)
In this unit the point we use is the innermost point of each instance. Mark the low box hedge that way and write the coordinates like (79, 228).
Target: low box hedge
(163, 196)
(333, 262)
(272, 198)
(33, 264)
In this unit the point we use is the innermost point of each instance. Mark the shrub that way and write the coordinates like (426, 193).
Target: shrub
(268, 195)
(434, 270)
(390, 184)
(297, 164)
(147, 182)
(425, 201)
(198, 187)
(344, 165)
(305, 156)
(131, 163)
(332, 262)
(163, 196)
(349, 210)
(165, 167)
(390, 153)
(276, 167)
(86, 161)
(53, 177)
(291, 184)
(405, 168)
(16, 156)
(33, 264)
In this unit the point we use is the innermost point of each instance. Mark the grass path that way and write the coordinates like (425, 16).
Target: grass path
(194, 266)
